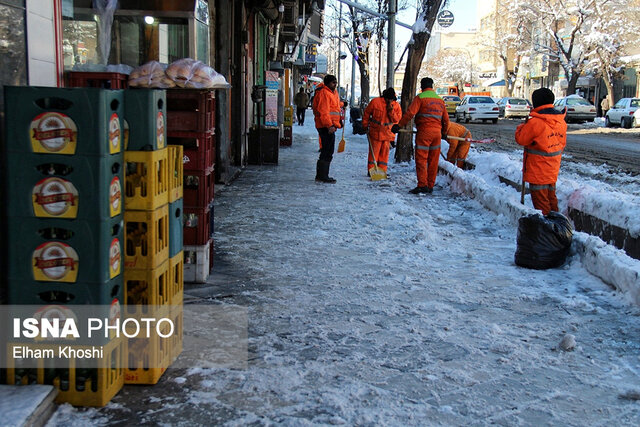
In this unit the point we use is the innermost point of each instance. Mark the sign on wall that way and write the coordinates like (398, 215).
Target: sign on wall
(271, 98)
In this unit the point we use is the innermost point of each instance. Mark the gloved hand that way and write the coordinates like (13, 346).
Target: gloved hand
(392, 144)
(395, 128)
(345, 104)
(341, 124)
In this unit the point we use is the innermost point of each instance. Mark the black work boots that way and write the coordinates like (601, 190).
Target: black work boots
(322, 172)
(421, 190)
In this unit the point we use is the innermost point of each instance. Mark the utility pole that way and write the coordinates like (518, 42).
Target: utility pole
(353, 69)
(391, 45)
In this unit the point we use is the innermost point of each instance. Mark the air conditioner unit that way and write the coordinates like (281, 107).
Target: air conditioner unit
(289, 25)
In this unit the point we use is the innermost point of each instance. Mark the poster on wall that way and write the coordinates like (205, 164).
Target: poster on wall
(271, 101)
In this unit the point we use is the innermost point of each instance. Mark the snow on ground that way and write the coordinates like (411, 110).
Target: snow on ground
(372, 306)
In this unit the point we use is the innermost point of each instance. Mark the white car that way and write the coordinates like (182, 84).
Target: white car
(513, 107)
(475, 107)
(625, 113)
(577, 108)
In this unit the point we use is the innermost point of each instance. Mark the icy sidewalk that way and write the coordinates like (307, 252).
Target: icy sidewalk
(376, 306)
(371, 306)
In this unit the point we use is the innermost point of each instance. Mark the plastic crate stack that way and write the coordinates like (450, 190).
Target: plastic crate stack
(65, 220)
(153, 257)
(191, 124)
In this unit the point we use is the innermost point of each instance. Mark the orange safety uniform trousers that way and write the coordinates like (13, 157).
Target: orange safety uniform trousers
(427, 156)
(381, 150)
(458, 150)
(544, 197)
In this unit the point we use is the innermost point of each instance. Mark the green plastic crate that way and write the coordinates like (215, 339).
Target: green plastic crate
(64, 121)
(57, 250)
(145, 114)
(71, 187)
(62, 300)
(175, 228)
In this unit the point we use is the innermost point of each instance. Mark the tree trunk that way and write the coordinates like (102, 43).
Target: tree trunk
(364, 83)
(609, 84)
(404, 147)
(573, 81)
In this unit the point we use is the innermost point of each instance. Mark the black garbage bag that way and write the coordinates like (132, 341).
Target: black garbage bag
(357, 128)
(543, 242)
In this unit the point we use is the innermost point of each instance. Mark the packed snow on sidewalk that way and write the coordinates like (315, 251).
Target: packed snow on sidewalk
(371, 306)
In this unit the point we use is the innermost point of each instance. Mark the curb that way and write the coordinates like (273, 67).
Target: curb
(604, 261)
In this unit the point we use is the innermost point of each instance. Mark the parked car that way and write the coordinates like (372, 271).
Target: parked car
(578, 109)
(451, 102)
(513, 107)
(626, 113)
(475, 107)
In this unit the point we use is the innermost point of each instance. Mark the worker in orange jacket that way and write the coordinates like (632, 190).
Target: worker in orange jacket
(326, 110)
(432, 122)
(458, 150)
(544, 136)
(382, 113)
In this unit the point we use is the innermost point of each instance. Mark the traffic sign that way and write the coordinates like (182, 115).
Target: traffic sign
(445, 18)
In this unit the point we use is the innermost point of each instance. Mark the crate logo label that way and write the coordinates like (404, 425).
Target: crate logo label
(65, 319)
(53, 133)
(185, 159)
(114, 312)
(55, 261)
(115, 260)
(115, 197)
(114, 134)
(55, 197)
(125, 124)
(160, 130)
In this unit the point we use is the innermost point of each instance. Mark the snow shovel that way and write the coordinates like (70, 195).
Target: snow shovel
(477, 141)
(376, 173)
(524, 184)
(342, 142)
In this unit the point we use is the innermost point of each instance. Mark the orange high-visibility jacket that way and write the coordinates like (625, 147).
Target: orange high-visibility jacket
(544, 137)
(429, 110)
(326, 107)
(379, 121)
(456, 129)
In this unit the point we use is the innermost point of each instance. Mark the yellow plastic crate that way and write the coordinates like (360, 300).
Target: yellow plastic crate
(91, 386)
(148, 358)
(177, 337)
(146, 238)
(176, 279)
(146, 179)
(146, 292)
(175, 172)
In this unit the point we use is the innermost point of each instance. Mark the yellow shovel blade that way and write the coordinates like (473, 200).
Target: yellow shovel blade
(377, 174)
(341, 145)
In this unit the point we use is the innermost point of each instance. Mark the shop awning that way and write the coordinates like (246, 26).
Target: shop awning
(498, 83)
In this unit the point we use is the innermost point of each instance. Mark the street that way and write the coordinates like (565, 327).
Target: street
(367, 305)
(618, 148)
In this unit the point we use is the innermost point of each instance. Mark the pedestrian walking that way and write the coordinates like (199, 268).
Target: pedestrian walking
(604, 104)
(544, 136)
(432, 122)
(302, 101)
(326, 111)
(458, 150)
(382, 113)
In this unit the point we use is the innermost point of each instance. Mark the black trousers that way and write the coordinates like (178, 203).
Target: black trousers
(300, 114)
(328, 144)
